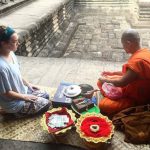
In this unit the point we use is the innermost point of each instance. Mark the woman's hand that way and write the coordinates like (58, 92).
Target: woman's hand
(30, 86)
(30, 98)
(34, 87)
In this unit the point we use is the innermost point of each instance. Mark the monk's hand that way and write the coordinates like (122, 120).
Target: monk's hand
(102, 79)
(106, 73)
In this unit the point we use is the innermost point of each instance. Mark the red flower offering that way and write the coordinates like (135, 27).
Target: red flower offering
(95, 127)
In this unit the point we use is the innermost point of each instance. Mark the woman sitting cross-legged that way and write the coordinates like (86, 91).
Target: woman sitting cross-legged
(17, 96)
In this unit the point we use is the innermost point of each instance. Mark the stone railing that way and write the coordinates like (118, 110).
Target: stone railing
(6, 1)
(35, 38)
(8, 6)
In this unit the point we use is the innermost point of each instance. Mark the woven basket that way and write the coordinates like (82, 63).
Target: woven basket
(63, 131)
(93, 142)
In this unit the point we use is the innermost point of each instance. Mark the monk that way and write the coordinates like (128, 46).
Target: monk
(134, 79)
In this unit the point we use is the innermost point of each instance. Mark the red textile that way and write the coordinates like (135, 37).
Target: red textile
(111, 107)
(63, 111)
(139, 62)
(112, 91)
(105, 128)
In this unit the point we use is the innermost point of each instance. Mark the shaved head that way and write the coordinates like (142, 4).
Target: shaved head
(131, 35)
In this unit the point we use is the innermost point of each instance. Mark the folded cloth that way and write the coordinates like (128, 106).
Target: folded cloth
(135, 122)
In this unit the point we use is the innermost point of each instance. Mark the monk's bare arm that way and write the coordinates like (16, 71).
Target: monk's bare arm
(127, 78)
(107, 73)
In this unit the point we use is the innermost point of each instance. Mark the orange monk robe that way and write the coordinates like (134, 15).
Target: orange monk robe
(135, 93)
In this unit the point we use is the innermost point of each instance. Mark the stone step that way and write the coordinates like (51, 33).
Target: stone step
(103, 2)
(144, 12)
(144, 16)
(142, 24)
(144, 19)
(13, 5)
(144, 8)
(114, 56)
(100, 1)
(144, 3)
(4, 2)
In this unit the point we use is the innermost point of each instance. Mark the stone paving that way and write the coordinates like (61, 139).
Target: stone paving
(50, 71)
(98, 35)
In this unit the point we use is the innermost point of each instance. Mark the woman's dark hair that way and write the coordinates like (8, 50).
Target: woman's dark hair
(5, 33)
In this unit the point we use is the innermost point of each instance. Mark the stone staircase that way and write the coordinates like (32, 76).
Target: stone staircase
(142, 19)
(126, 7)
(104, 3)
(144, 10)
(8, 6)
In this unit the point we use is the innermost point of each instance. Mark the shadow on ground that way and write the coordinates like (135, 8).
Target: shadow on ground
(18, 145)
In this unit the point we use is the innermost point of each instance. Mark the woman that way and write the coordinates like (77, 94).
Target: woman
(17, 96)
(133, 80)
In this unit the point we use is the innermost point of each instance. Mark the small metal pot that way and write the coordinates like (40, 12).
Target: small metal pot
(86, 88)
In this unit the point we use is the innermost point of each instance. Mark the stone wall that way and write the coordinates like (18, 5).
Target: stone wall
(47, 30)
